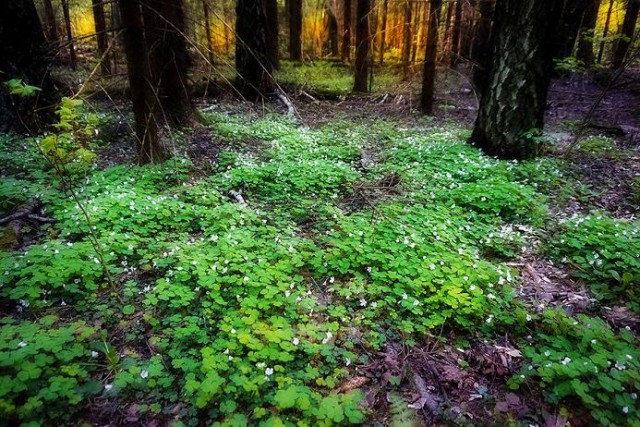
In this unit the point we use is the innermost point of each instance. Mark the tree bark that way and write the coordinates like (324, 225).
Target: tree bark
(271, 10)
(346, 32)
(207, 29)
(455, 37)
(253, 67)
(331, 45)
(512, 108)
(164, 26)
(605, 31)
(406, 42)
(570, 26)
(23, 55)
(429, 70)
(363, 44)
(101, 35)
(626, 32)
(383, 30)
(587, 32)
(481, 46)
(67, 24)
(295, 30)
(145, 105)
(50, 23)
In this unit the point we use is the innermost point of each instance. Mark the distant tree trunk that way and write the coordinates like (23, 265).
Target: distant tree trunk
(346, 32)
(363, 42)
(455, 37)
(207, 29)
(101, 35)
(164, 26)
(406, 43)
(466, 38)
(295, 30)
(587, 30)
(332, 29)
(429, 71)
(521, 62)
(448, 29)
(481, 46)
(383, 30)
(116, 23)
(67, 24)
(253, 67)
(23, 55)
(417, 32)
(271, 10)
(50, 23)
(570, 26)
(628, 27)
(605, 31)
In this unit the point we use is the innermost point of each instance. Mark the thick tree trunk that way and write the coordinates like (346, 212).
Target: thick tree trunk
(50, 23)
(605, 31)
(406, 42)
(363, 43)
(295, 30)
(67, 25)
(346, 31)
(207, 29)
(455, 37)
(383, 30)
(253, 67)
(481, 46)
(628, 27)
(101, 35)
(570, 26)
(145, 105)
(587, 29)
(429, 70)
(271, 10)
(521, 62)
(164, 24)
(23, 55)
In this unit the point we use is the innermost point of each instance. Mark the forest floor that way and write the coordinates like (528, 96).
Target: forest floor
(352, 263)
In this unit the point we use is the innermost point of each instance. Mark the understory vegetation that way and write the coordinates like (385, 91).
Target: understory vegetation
(253, 289)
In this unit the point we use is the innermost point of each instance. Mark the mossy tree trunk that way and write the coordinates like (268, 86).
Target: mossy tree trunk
(429, 69)
(363, 45)
(521, 62)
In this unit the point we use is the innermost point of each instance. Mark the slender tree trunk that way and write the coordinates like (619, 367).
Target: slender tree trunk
(51, 25)
(383, 30)
(466, 37)
(513, 105)
(164, 26)
(23, 55)
(429, 70)
(116, 23)
(332, 29)
(605, 32)
(455, 37)
(295, 30)
(67, 24)
(145, 105)
(417, 32)
(446, 51)
(481, 46)
(207, 29)
(628, 27)
(571, 19)
(271, 10)
(406, 42)
(363, 42)
(587, 33)
(101, 35)
(253, 67)
(346, 33)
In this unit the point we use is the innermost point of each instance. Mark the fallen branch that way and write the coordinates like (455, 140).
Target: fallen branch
(237, 196)
(30, 210)
(286, 101)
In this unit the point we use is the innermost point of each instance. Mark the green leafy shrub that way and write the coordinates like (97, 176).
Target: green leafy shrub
(583, 360)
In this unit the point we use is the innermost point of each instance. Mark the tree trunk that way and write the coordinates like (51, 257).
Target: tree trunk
(117, 39)
(481, 46)
(51, 25)
(363, 42)
(448, 25)
(383, 30)
(23, 55)
(455, 37)
(253, 67)
(295, 30)
(605, 31)
(429, 71)
(145, 105)
(570, 26)
(271, 10)
(466, 37)
(101, 36)
(406, 42)
(331, 45)
(207, 29)
(587, 32)
(512, 109)
(628, 27)
(346, 32)
(164, 24)
(67, 24)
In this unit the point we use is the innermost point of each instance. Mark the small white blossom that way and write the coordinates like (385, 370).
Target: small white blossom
(94, 354)
(566, 361)
(144, 373)
(295, 341)
(268, 371)
(22, 344)
(108, 387)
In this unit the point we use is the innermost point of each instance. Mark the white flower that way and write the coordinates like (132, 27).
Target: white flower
(246, 278)
(472, 287)
(332, 279)
(94, 354)
(416, 302)
(233, 331)
(374, 304)
(368, 269)
(363, 302)
(287, 294)
(528, 318)
(432, 267)
(295, 341)
(566, 361)
(144, 373)
(634, 396)
(260, 365)
(405, 296)
(625, 410)
(268, 371)
(328, 337)
(347, 361)
(108, 387)
(22, 344)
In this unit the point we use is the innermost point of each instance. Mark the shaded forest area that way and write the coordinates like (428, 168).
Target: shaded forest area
(319, 212)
